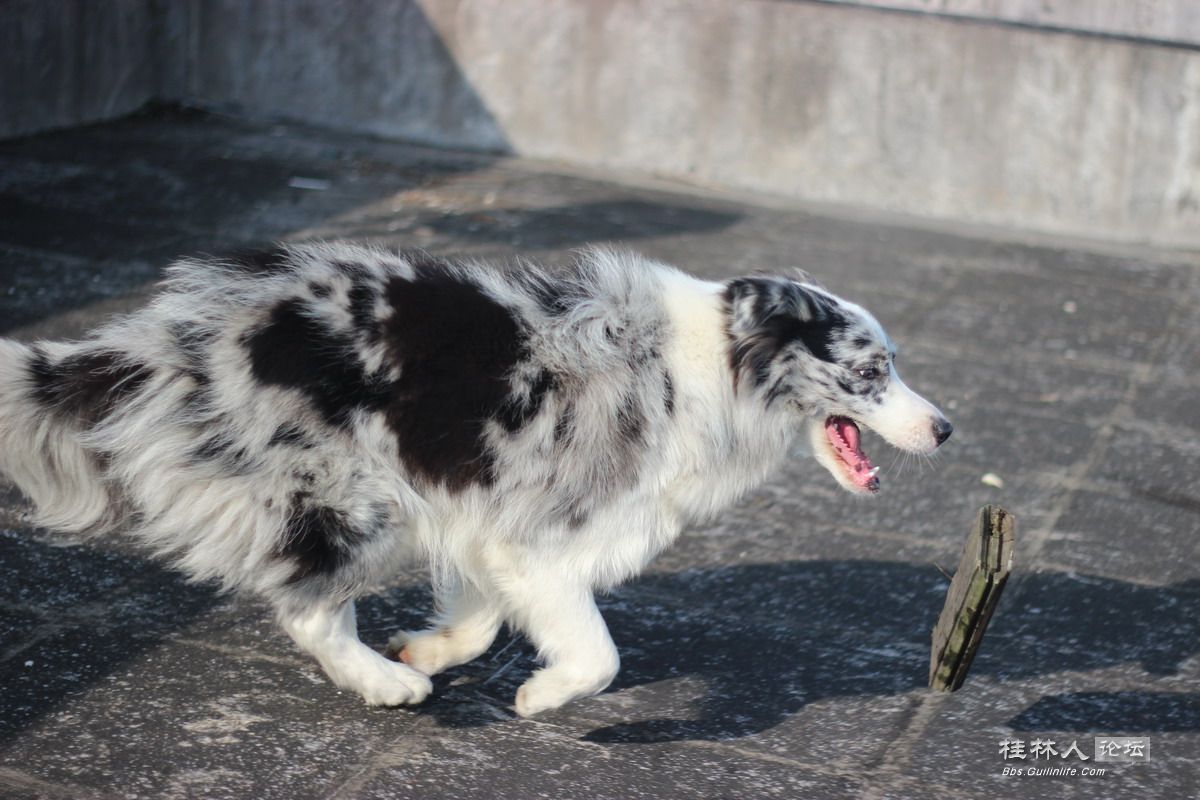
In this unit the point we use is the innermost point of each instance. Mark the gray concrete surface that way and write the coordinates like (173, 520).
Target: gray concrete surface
(778, 652)
(1069, 117)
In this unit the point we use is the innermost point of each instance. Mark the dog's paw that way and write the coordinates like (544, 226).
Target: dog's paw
(386, 683)
(428, 652)
(437, 649)
(550, 688)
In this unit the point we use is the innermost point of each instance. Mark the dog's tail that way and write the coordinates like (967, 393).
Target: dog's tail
(40, 446)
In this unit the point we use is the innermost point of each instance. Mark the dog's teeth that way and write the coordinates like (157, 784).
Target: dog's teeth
(874, 471)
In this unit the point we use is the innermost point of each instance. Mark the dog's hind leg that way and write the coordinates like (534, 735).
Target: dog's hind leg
(465, 627)
(558, 613)
(330, 634)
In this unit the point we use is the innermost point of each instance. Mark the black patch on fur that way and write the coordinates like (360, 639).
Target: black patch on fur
(668, 393)
(576, 519)
(321, 290)
(318, 538)
(783, 313)
(816, 334)
(631, 421)
(455, 348)
(753, 356)
(288, 435)
(213, 448)
(88, 386)
(362, 309)
(220, 449)
(761, 365)
(518, 411)
(295, 351)
(264, 261)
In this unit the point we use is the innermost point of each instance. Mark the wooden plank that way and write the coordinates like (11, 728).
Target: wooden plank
(983, 570)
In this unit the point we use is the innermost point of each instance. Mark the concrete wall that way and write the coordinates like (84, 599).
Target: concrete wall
(1170, 21)
(66, 62)
(369, 66)
(927, 115)
(971, 113)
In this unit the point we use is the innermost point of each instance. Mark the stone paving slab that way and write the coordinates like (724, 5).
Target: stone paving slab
(780, 651)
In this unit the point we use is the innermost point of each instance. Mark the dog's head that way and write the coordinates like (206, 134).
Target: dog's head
(796, 346)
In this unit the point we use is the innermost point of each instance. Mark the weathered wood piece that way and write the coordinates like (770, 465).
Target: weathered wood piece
(974, 591)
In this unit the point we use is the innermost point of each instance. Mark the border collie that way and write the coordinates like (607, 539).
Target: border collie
(301, 422)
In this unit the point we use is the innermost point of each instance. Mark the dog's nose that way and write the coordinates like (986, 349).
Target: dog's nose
(942, 430)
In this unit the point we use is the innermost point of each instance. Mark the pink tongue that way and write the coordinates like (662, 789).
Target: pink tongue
(845, 436)
(849, 432)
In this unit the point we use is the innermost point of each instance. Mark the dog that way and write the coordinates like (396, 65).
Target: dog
(302, 421)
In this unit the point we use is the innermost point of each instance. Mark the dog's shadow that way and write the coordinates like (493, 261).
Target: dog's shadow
(723, 653)
(707, 654)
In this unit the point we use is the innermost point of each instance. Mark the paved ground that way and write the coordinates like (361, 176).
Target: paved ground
(781, 652)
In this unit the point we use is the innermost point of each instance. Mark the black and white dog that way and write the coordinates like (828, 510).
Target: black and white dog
(300, 422)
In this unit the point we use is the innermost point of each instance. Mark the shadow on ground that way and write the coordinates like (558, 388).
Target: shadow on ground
(551, 227)
(767, 639)
(70, 616)
(762, 640)
(95, 213)
(1128, 713)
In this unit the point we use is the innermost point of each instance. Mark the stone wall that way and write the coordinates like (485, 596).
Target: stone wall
(1065, 116)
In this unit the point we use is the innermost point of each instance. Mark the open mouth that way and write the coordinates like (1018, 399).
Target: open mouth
(844, 437)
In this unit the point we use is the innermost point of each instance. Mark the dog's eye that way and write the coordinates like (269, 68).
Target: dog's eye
(867, 373)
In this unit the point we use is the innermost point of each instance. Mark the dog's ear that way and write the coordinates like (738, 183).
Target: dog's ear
(758, 304)
(768, 314)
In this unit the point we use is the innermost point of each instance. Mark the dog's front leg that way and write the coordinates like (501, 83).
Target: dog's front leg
(330, 634)
(560, 616)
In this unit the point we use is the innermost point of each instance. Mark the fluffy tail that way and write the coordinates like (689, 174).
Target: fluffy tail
(40, 449)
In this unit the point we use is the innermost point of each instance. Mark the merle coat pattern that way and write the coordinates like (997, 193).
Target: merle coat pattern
(301, 422)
